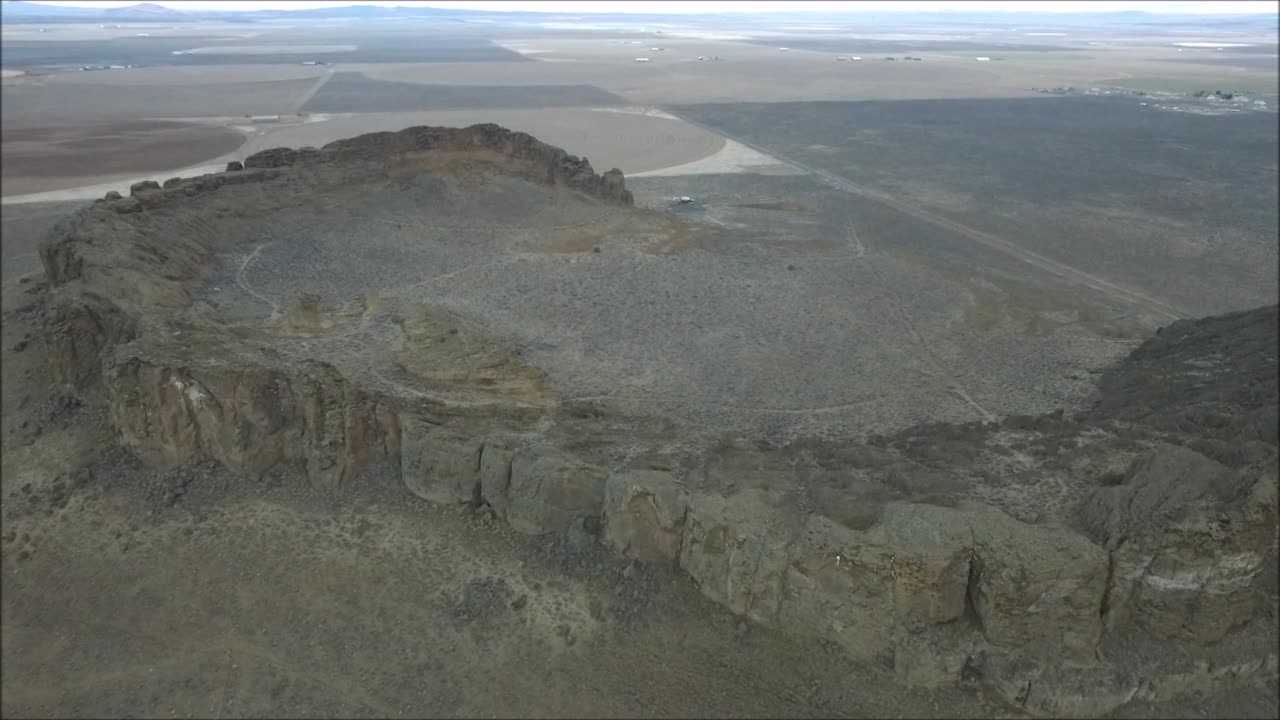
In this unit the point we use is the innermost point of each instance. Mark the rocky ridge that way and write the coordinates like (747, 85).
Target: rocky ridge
(1074, 564)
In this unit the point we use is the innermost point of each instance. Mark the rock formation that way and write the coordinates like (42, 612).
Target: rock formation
(517, 153)
(1045, 557)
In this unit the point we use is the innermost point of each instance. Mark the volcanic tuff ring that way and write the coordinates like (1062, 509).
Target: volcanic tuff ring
(1023, 551)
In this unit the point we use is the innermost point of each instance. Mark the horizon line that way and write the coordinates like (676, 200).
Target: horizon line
(1201, 9)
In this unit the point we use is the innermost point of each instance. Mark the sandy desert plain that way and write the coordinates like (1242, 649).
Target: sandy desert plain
(888, 242)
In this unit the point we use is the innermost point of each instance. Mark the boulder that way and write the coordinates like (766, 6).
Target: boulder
(840, 587)
(234, 166)
(144, 186)
(437, 465)
(613, 187)
(77, 333)
(272, 158)
(737, 549)
(249, 419)
(339, 434)
(930, 549)
(153, 414)
(1036, 585)
(112, 195)
(869, 590)
(172, 182)
(548, 489)
(644, 514)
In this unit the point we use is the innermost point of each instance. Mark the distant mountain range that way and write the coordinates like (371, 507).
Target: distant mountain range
(16, 11)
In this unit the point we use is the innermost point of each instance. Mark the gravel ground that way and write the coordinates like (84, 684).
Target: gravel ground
(738, 316)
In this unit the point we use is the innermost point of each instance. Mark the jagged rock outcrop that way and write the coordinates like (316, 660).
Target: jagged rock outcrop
(548, 489)
(1188, 537)
(1036, 585)
(645, 511)
(930, 552)
(536, 490)
(143, 186)
(252, 420)
(439, 466)
(737, 549)
(918, 566)
(1212, 378)
(519, 153)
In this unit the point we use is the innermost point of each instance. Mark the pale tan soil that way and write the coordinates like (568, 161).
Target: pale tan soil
(38, 159)
(101, 185)
(732, 157)
(632, 142)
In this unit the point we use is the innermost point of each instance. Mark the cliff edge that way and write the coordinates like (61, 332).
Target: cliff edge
(1073, 563)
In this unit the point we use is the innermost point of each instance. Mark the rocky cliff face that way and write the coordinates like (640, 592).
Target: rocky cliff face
(1071, 563)
(519, 153)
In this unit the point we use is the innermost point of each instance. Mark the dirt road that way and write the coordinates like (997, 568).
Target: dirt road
(988, 240)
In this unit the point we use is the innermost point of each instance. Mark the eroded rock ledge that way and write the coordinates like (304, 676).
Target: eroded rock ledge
(518, 153)
(1072, 563)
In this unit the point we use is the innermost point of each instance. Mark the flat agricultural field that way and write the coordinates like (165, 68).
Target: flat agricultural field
(743, 73)
(632, 139)
(39, 159)
(268, 44)
(184, 75)
(547, 78)
(752, 72)
(38, 104)
(355, 92)
(626, 138)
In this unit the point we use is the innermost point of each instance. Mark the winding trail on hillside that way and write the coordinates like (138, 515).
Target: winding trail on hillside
(931, 354)
(306, 98)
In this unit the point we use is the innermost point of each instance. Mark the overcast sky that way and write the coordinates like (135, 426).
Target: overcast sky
(1196, 7)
